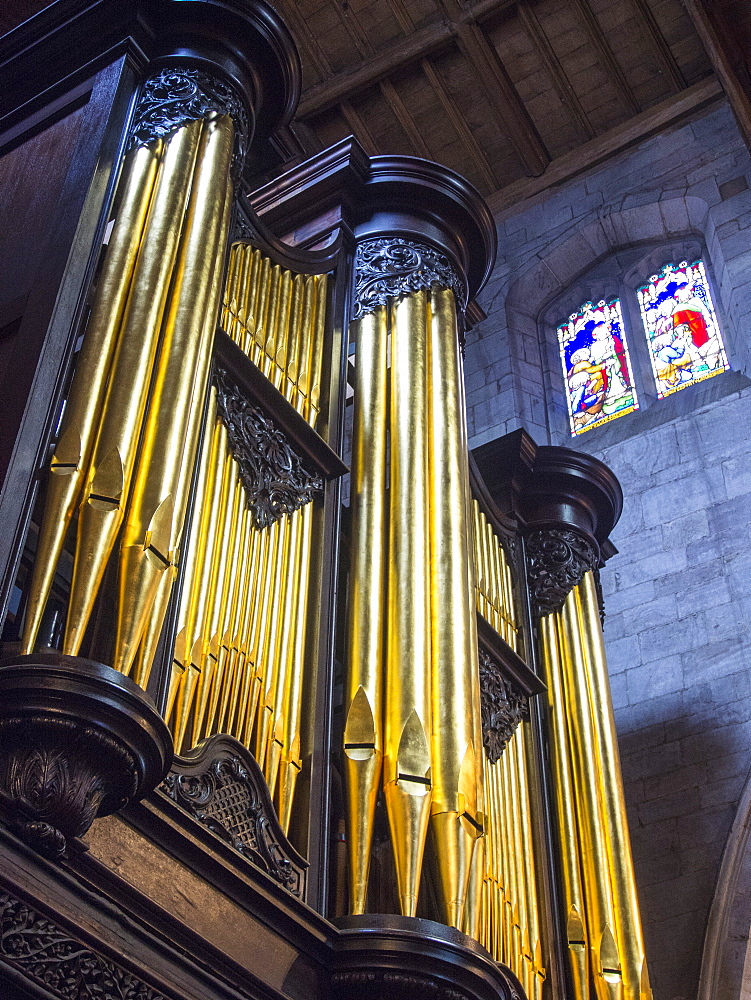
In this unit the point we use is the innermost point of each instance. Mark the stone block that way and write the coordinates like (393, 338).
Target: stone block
(653, 681)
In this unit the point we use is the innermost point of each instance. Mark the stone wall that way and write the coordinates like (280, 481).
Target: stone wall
(677, 595)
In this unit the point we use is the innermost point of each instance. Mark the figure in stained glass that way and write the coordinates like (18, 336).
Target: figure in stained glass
(596, 366)
(681, 326)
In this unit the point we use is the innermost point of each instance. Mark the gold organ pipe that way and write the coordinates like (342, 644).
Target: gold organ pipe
(319, 330)
(306, 324)
(283, 332)
(296, 332)
(256, 682)
(223, 678)
(111, 466)
(276, 551)
(628, 921)
(153, 526)
(231, 665)
(363, 735)
(272, 643)
(208, 703)
(605, 958)
(239, 643)
(83, 406)
(456, 808)
(279, 728)
(551, 640)
(192, 559)
(407, 757)
(291, 761)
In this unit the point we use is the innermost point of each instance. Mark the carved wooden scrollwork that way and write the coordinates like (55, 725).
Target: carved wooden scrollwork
(221, 786)
(391, 267)
(177, 95)
(503, 705)
(63, 967)
(557, 559)
(272, 473)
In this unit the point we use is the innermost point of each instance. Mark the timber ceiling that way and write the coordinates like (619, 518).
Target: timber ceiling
(514, 94)
(498, 90)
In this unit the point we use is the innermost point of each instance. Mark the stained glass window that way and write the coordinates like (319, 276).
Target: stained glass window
(684, 339)
(596, 366)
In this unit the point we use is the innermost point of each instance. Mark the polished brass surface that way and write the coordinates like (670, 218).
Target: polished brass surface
(278, 319)
(407, 756)
(494, 589)
(156, 511)
(111, 466)
(605, 960)
(85, 399)
(551, 640)
(628, 929)
(456, 733)
(363, 732)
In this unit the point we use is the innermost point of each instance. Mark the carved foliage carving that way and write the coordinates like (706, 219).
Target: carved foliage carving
(175, 96)
(503, 705)
(56, 775)
(392, 267)
(272, 473)
(557, 559)
(45, 954)
(225, 791)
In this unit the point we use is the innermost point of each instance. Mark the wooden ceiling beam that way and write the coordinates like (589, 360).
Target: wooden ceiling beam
(408, 50)
(359, 128)
(460, 125)
(566, 93)
(504, 99)
(718, 43)
(405, 119)
(660, 45)
(607, 59)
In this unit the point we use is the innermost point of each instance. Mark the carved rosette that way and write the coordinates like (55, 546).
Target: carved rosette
(60, 965)
(77, 740)
(391, 267)
(222, 787)
(557, 559)
(177, 95)
(271, 471)
(503, 706)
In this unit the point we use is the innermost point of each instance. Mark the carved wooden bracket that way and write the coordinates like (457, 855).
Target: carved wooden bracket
(77, 740)
(557, 559)
(220, 784)
(275, 480)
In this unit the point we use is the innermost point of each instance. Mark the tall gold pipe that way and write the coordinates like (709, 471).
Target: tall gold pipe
(551, 638)
(456, 808)
(262, 640)
(254, 668)
(84, 403)
(223, 679)
(206, 651)
(291, 762)
(281, 346)
(271, 646)
(363, 734)
(304, 348)
(407, 758)
(262, 305)
(231, 662)
(239, 641)
(604, 956)
(156, 512)
(111, 466)
(296, 334)
(190, 563)
(279, 728)
(319, 331)
(628, 920)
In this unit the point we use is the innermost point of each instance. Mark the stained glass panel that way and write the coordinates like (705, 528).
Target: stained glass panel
(684, 339)
(596, 366)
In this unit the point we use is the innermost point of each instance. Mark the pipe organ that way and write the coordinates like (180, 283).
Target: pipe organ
(340, 681)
